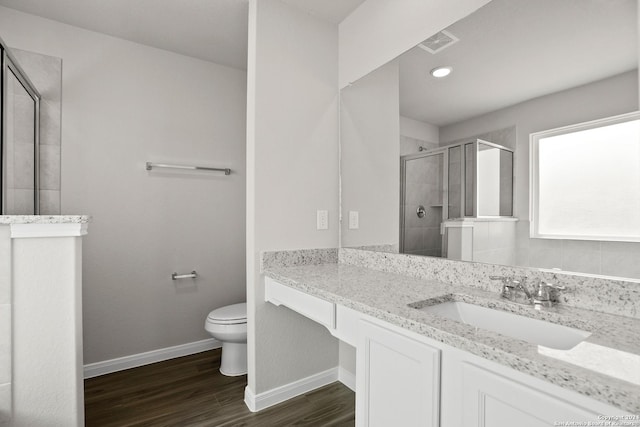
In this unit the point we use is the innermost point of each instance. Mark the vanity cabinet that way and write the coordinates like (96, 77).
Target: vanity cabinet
(398, 381)
(406, 379)
(489, 399)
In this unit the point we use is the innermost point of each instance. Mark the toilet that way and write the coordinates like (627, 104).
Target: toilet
(229, 326)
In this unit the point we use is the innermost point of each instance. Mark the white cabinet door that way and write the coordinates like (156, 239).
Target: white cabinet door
(398, 380)
(492, 400)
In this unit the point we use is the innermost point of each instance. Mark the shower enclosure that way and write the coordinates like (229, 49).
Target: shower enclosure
(464, 181)
(19, 139)
(424, 203)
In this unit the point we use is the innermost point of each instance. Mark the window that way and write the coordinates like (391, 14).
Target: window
(585, 181)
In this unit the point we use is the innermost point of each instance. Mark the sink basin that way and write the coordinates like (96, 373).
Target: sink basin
(512, 325)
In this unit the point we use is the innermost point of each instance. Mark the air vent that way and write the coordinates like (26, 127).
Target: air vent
(438, 42)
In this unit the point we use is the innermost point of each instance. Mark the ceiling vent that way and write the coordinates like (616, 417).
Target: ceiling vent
(438, 42)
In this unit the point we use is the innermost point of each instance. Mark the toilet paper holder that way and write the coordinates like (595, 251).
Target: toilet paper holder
(192, 275)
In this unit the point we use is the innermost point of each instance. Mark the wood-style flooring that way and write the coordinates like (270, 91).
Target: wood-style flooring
(190, 391)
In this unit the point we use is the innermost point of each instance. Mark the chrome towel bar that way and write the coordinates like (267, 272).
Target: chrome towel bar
(150, 166)
(192, 275)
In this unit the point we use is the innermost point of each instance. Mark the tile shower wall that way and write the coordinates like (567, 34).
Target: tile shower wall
(19, 149)
(5, 324)
(45, 72)
(423, 186)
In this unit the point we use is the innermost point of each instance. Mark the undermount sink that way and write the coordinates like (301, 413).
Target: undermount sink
(512, 325)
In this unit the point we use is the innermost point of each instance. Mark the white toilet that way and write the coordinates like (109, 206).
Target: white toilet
(229, 326)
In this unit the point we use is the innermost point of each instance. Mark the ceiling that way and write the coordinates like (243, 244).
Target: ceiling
(515, 50)
(212, 30)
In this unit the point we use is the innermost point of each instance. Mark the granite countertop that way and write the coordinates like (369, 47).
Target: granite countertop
(387, 296)
(44, 219)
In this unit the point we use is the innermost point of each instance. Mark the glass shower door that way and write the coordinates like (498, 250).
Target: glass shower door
(422, 204)
(19, 142)
(19, 151)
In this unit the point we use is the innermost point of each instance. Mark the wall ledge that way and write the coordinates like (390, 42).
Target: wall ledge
(19, 231)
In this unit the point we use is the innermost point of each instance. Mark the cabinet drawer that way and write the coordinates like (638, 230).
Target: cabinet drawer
(317, 309)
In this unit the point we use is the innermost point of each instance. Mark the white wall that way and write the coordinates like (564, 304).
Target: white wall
(124, 104)
(292, 171)
(380, 30)
(605, 98)
(415, 134)
(419, 130)
(370, 157)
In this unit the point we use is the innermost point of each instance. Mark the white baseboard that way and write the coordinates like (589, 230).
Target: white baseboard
(121, 363)
(347, 378)
(258, 402)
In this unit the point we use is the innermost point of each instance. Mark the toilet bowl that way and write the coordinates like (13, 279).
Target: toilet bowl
(229, 326)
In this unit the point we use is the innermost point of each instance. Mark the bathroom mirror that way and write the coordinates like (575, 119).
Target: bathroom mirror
(517, 67)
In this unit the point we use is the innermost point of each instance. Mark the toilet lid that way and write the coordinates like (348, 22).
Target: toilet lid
(236, 313)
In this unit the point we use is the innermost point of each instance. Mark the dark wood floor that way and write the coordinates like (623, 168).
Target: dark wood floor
(190, 391)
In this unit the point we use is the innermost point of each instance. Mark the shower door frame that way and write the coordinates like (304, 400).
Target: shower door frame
(9, 64)
(475, 143)
(445, 189)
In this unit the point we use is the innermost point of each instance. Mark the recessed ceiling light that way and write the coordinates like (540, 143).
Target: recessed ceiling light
(440, 72)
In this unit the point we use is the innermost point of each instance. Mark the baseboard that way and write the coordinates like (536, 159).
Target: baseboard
(121, 363)
(258, 402)
(347, 378)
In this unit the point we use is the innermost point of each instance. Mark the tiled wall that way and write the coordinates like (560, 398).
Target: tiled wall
(19, 149)
(494, 242)
(606, 258)
(5, 324)
(423, 186)
(45, 72)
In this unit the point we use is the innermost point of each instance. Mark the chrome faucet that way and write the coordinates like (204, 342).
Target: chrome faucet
(505, 292)
(514, 287)
(543, 296)
(511, 286)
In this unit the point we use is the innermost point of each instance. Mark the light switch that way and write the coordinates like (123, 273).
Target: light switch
(322, 220)
(353, 220)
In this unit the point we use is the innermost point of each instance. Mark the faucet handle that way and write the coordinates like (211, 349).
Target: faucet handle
(508, 286)
(546, 287)
(552, 286)
(543, 291)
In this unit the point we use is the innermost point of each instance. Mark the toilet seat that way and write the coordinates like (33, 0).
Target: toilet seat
(229, 315)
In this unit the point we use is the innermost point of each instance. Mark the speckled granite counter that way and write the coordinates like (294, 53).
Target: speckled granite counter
(44, 219)
(387, 296)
